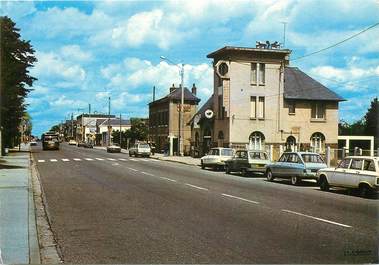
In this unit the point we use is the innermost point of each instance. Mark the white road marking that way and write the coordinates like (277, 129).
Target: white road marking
(53, 160)
(133, 169)
(41, 160)
(100, 159)
(196, 187)
(316, 218)
(65, 159)
(144, 159)
(238, 198)
(111, 159)
(88, 159)
(122, 159)
(115, 164)
(147, 173)
(133, 159)
(172, 180)
(77, 159)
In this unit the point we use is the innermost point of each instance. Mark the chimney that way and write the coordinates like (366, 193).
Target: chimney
(194, 89)
(172, 88)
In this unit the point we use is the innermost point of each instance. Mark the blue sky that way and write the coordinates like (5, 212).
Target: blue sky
(89, 50)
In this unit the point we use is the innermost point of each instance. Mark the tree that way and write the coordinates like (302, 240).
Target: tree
(55, 128)
(16, 57)
(372, 121)
(138, 130)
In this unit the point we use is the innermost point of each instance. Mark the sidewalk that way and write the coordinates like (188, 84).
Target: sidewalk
(18, 236)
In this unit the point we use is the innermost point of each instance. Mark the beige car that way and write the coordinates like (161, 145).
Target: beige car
(354, 172)
(217, 157)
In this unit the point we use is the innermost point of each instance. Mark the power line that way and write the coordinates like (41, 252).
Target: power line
(338, 43)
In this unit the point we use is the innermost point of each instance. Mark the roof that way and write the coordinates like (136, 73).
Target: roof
(228, 49)
(113, 122)
(176, 94)
(201, 111)
(298, 85)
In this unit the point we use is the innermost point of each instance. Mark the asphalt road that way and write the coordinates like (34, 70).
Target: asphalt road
(109, 208)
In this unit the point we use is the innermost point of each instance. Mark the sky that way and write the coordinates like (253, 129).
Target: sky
(88, 51)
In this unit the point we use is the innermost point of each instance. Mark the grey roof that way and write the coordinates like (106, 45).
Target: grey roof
(113, 122)
(298, 85)
(177, 95)
(201, 111)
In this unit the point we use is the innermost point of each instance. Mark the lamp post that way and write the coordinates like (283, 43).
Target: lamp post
(181, 113)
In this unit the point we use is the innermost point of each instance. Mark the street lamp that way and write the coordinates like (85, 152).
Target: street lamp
(181, 126)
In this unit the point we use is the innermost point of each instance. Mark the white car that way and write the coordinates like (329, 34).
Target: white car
(140, 149)
(72, 142)
(217, 157)
(354, 172)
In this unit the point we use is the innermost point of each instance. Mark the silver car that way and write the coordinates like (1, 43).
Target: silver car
(140, 149)
(295, 166)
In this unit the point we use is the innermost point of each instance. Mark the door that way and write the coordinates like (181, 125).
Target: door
(243, 160)
(338, 176)
(278, 168)
(352, 174)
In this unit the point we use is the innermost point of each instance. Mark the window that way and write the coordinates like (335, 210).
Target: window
(369, 165)
(220, 135)
(220, 107)
(215, 152)
(253, 107)
(227, 152)
(283, 158)
(258, 155)
(311, 158)
(261, 108)
(243, 154)
(318, 111)
(253, 74)
(344, 163)
(262, 75)
(291, 108)
(317, 142)
(256, 141)
(356, 164)
(223, 69)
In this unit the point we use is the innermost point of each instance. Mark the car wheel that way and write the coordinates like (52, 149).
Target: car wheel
(244, 172)
(364, 190)
(269, 175)
(324, 185)
(202, 165)
(227, 169)
(295, 180)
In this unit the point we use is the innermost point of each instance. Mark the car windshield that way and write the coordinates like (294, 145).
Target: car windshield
(258, 155)
(227, 152)
(312, 158)
(214, 152)
(144, 146)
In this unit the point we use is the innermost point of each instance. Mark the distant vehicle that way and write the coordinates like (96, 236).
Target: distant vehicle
(81, 144)
(140, 149)
(247, 161)
(217, 157)
(33, 143)
(72, 142)
(50, 141)
(88, 145)
(113, 148)
(354, 172)
(295, 166)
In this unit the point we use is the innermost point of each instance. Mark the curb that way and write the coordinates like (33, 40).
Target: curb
(174, 161)
(48, 249)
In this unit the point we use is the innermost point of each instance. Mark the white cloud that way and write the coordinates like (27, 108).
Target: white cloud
(17, 10)
(75, 53)
(51, 66)
(64, 102)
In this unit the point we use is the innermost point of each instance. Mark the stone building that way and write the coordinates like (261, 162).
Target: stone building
(260, 102)
(164, 120)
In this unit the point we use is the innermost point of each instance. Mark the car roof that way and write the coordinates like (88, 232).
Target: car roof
(302, 153)
(222, 148)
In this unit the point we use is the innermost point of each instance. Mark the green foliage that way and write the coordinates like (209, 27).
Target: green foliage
(16, 57)
(55, 128)
(372, 121)
(138, 132)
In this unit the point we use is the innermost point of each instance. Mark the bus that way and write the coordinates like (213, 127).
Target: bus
(50, 140)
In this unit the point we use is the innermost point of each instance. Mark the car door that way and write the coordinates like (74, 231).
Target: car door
(353, 173)
(234, 161)
(338, 176)
(243, 160)
(278, 168)
(368, 174)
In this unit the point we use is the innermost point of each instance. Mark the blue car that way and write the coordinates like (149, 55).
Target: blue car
(295, 166)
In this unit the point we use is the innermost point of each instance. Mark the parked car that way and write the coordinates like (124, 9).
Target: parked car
(72, 142)
(113, 148)
(140, 149)
(246, 162)
(33, 143)
(354, 172)
(295, 166)
(81, 144)
(88, 145)
(217, 157)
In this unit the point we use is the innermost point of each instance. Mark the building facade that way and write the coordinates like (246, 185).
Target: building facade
(105, 127)
(164, 120)
(86, 126)
(259, 102)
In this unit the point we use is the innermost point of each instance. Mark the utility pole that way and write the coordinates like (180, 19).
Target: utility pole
(109, 126)
(153, 93)
(181, 132)
(284, 33)
(120, 130)
(72, 125)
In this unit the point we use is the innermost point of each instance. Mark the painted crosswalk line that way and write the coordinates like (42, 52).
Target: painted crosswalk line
(65, 159)
(111, 159)
(100, 159)
(77, 159)
(53, 160)
(41, 160)
(122, 159)
(88, 159)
